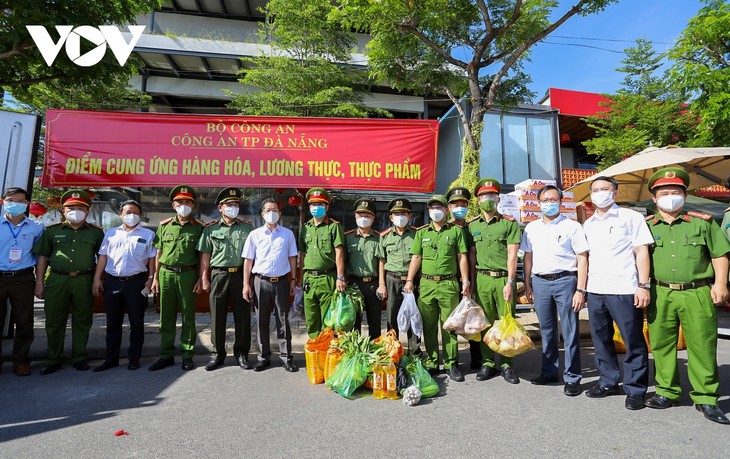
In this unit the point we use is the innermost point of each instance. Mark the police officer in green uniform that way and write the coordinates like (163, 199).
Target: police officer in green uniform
(70, 249)
(322, 257)
(176, 278)
(221, 274)
(493, 270)
(363, 255)
(689, 271)
(439, 248)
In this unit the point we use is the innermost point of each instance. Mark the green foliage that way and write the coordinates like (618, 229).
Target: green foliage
(640, 66)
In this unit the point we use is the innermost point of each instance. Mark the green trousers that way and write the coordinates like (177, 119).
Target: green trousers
(436, 301)
(314, 307)
(176, 289)
(698, 316)
(64, 293)
(489, 295)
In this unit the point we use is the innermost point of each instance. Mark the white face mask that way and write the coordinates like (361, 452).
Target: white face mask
(670, 203)
(75, 216)
(183, 211)
(602, 199)
(231, 211)
(400, 220)
(363, 222)
(131, 219)
(271, 217)
(436, 214)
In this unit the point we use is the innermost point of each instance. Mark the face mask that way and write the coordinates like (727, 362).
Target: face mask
(317, 211)
(183, 211)
(271, 217)
(131, 219)
(602, 199)
(670, 203)
(363, 222)
(75, 216)
(400, 220)
(14, 208)
(488, 205)
(436, 214)
(231, 211)
(459, 213)
(550, 208)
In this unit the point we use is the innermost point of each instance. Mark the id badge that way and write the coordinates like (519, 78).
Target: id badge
(15, 254)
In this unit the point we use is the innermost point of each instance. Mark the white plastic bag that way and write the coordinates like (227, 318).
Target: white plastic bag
(467, 319)
(409, 316)
(296, 312)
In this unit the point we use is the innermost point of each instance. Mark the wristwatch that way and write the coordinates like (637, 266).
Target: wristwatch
(581, 290)
(646, 286)
(511, 281)
(341, 278)
(466, 282)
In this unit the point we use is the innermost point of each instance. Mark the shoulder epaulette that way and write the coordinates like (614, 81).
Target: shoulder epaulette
(167, 220)
(246, 221)
(420, 227)
(349, 232)
(211, 223)
(727, 210)
(55, 224)
(701, 215)
(334, 221)
(199, 222)
(648, 217)
(508, 217)
(474, 219)
(386, 232)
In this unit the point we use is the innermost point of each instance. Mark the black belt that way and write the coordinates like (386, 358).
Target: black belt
(438, 278)
(273, 280)
(16, 273)
(397, 275)
(73, 273)
(179, 269)
(683, 285)
(314, 272)
(364, 279)
(233, 269)
(127, 278)
(489, 273)
(556, 276)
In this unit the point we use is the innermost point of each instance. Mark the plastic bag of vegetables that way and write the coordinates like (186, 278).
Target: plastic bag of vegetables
(507, 337)
(351, 373)
(343, 308)
(419, 377)
(409, 316)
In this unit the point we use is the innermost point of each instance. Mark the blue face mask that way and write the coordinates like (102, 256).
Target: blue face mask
(550, 208)
(317, 211)
(459, 213)
(14, 208)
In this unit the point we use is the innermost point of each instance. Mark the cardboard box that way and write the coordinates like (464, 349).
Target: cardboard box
(533, 184)
(568, 196)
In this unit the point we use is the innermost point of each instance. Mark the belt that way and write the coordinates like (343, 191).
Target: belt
(127, 278)
(365, 279)
(73, 273)
(556, 276)
(179, 269)
(16, 273)
(273, 280)
(397, 275)
(315, 272)
(233, 269)
(489, 273)
(438, 278)
(683, 285)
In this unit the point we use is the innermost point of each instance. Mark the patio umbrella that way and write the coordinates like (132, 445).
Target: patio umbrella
(706, 166)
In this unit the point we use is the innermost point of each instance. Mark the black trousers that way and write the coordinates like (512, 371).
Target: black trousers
(394, 288)
(120, 296)
(273, 296)
(224, 287)
(373, 309)
(20, 290)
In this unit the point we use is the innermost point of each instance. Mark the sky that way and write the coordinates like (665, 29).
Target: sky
(557, 63)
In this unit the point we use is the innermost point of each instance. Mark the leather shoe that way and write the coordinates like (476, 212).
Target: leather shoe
(291, 367)
(634, 402)
(571, 389)
(213, 364)
(486, 372)
(543, 380)
(713, 413)
(262, 365)
(52, 368)
(82, 365)
(509, 375)
(659, 402)
(599, 391)
(21, 369)
(244, 363)
(160, 364)
(455, 374)
(105, 366)
(133, 364)
(187, 364)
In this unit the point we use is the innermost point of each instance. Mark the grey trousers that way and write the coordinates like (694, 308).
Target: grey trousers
(276, 295)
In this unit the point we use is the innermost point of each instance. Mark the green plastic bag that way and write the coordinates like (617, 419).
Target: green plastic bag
(419, 377)
(351, 373)
(341, 313)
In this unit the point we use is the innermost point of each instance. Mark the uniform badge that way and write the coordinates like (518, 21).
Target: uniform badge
(183, 190)
(457, 191)
(670, 174)
(487, 183)
(75, 195)
(399, 203)
(232, 192)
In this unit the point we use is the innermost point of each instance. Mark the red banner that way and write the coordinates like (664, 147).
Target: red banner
(86, 148)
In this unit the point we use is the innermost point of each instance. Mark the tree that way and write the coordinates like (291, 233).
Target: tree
(24, 73)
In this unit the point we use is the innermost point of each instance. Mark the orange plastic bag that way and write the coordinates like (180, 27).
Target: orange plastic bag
(315, 354)
(681, 341)
(334, 356)
(392, 344)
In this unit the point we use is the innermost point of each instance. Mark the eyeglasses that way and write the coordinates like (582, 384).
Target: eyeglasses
(546, 201)
(603, 190)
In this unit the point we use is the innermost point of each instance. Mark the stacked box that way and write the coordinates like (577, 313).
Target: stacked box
(533, 184)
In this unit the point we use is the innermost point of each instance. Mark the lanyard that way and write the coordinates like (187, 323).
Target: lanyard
(14, 233)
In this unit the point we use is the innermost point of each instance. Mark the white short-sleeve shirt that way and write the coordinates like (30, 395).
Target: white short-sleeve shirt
(270, 250)
(127, 251)
(554, 244)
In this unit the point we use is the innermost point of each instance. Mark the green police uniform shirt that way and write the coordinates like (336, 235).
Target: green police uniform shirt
(225, 242)
(178, 242)
(683, 250)
(726, 224)
(439, 249)
(363, 253)
(318, 243)
(396, 249)
(467, 235)
(491, 239)
(69, 249)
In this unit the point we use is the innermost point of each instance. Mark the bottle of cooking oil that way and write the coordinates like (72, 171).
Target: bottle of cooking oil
(378, 381)
(391, 373)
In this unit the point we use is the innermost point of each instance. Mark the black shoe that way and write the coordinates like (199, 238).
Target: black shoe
(82, 365)
(455, 374)
(571, 389)
(634, 402)
(433, 371)
(188, 364)
(291, 367)
(107, 364)
(244, 363)
(486, 372)
(598, 391)
(659, 402)
(542, 380)
(262, 365)
(133, 364)
(51, 368)
(713, 413)
(509, 375)
(213, 364)
(161, 363)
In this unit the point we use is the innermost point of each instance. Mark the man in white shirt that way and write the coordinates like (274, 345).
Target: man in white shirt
(556, 267)
(270, 254)
(126, 263)
(618, 291)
